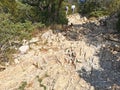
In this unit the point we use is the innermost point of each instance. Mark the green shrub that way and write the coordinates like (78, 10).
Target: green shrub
(10, 32)
(49, 19)
(118, 23)
(8, 6)
(97, 13)
(24, 12)
(47, 11)
(93, 8)
(62, 19)
(23, 85)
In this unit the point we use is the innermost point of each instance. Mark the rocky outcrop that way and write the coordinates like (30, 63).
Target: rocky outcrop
(80, 58)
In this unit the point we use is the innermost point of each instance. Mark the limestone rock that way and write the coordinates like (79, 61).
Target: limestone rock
(46, 65)
(24, 48)
(33, 40)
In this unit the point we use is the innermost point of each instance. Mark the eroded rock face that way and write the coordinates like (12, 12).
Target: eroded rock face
(77, 59)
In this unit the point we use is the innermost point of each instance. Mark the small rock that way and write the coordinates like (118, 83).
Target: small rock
(33, 40)
(24, 48)
(7, 64)
(46, 35)
(16, 61)
(103, 45)
(114, 52)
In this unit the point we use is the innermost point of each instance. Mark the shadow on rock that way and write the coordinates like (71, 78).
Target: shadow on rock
(109, 73)
(107, 77)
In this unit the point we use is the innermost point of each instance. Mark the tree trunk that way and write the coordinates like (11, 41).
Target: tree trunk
(58, 9)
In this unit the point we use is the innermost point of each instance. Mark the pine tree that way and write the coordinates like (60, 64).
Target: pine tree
(8, 6)
(48, 10)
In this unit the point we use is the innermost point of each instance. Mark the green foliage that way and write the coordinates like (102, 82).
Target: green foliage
(48, 11)
(16, 24)
(88, 6)
(98, 13)
(94, 8)
(118, 24)
(10, 32)
(19, 20)
(62, 18)
(114, 6)
(45, 11)
(24, 12)
(19, 12)
(40, 81)
(23, 85)
(99, 8)
(8, 6)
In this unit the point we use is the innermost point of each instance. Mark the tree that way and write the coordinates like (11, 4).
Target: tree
(48, 10)
(114, 6)
(8, 6)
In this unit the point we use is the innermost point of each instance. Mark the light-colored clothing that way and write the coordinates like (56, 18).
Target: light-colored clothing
(73, 8)
(66, 8)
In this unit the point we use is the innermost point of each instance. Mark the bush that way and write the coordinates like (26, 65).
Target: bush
(93, 8)
(24, 12)
(118, 23)
(48, 12)
(97, 13)
(11, 32)
(49, 18)
(62, 18)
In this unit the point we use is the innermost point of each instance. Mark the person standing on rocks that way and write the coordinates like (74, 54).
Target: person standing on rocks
(73, 8)
(66, 9)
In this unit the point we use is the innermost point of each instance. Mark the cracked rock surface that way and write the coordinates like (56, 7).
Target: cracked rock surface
(77, 59)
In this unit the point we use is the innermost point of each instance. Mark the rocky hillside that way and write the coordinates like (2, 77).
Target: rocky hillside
(85, 56)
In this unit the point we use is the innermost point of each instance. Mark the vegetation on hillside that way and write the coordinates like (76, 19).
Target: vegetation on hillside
(14, 26)
(118, 23)
(48, 10)
(20, 18)
(114, 7)
(94, 7)
(98, 8)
